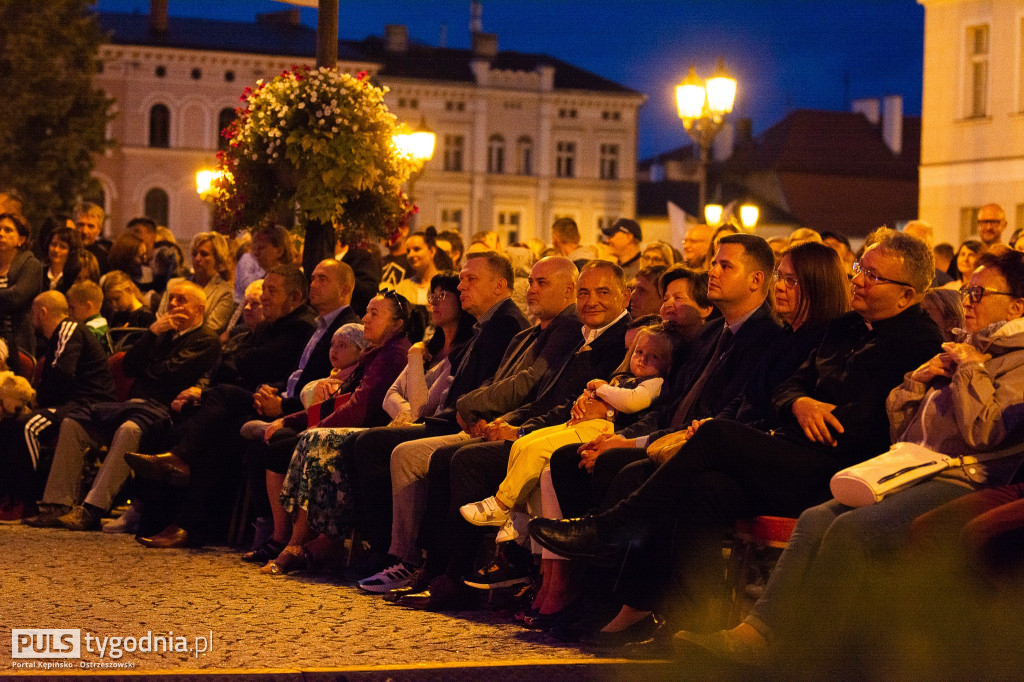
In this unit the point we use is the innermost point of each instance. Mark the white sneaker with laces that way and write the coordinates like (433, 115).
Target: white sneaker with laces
(508, 533)
(486, 512)
(391, 578)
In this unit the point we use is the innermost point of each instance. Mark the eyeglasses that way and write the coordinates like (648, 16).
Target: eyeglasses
(975, 294)
(400, 301)
(872, 278)
(790, 281)
(439, 297)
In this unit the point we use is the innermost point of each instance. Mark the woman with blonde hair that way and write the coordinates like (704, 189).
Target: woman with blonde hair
(212, 270)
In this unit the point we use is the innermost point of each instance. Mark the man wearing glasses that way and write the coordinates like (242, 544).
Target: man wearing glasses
(829, 414)
(991, 224)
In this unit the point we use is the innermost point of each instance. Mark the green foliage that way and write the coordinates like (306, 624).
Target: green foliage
(54, 119)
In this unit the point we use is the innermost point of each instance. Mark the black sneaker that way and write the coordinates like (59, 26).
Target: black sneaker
(498, 574)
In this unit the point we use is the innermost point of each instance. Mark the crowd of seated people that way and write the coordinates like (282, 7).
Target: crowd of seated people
(586, 445)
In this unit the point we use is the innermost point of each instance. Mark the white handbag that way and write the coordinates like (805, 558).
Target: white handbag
(901, 467)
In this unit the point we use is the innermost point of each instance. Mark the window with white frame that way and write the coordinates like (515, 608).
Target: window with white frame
(454, 146)
(977, 71)
(968, 221)
(565, 160)
(451, 219)
(524, 154)
(609, 162)
(508, 223)
(496, 154)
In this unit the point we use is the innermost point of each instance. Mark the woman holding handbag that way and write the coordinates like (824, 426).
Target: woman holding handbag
(962, 402)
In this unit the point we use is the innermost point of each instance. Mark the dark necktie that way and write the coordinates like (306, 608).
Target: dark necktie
(680, 417)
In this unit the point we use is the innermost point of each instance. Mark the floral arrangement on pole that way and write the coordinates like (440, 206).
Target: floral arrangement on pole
(313, 145)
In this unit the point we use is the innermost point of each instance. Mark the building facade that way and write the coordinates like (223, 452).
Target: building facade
(972, 144)
(522, 139)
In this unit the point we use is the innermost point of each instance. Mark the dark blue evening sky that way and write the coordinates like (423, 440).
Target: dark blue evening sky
(786, 54)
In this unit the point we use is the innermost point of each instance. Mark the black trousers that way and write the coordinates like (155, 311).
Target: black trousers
(580, 491)
(727, 471)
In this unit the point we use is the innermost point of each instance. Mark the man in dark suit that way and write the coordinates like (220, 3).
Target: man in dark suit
(475, 470)
(209, 442)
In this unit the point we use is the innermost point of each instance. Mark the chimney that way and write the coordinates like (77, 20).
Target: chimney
(158, 16)
(744, 131)
(485, 45)
(476, 17)
(284, 18)
(868, 107)
(396, 38)
(892, 122)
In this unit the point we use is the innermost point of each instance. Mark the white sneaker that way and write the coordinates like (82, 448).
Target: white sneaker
(486, 512)
(513, 529)
(391, 578)
(128, 522)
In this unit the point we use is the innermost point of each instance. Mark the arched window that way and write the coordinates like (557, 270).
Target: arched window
(524, 154)
(224, 119)
(156, 206)
(159, 126)
(496, 154)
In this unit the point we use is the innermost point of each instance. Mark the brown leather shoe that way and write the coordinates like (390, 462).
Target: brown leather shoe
(170, 537)
(165, 467)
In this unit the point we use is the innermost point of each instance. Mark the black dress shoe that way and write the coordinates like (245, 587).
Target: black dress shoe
(573, 538)
(166, 467)
(441, 595)
(168, 538)
(640, 632)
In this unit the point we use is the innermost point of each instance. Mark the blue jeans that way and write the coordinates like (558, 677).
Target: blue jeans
(832, 549)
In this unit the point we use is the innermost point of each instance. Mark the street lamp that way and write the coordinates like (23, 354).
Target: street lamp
(702, 106)
(749, 213)
(205, 180)
(418, 145)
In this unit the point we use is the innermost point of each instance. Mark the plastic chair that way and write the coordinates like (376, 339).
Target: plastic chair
(122, 383)
(27, 367)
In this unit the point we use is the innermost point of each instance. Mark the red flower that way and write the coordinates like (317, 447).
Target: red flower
(361, 75)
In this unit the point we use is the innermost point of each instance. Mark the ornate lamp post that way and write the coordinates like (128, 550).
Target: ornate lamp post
(702, 106)
(418, 145)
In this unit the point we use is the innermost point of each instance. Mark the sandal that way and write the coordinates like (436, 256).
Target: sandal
(268, 551)
(288, 562)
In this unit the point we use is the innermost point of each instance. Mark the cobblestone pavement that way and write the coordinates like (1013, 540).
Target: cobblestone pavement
(109, 586)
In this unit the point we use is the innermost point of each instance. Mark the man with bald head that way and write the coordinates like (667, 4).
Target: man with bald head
(696, 243)
(173, 353)
(74, 372)
(991, 224)
(924, 231)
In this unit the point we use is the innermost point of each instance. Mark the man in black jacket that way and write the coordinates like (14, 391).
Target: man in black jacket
(530, 361)
(209, 441)
(172, 354)
(75, 372)
(475, 470)
(830, 414)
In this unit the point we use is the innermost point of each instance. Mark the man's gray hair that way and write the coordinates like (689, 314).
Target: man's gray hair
(916, 258)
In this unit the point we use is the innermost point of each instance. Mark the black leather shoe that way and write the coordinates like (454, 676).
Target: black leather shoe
(419, 583)
(441, 595)
(573, 538)
(640, 632)
(166, 467)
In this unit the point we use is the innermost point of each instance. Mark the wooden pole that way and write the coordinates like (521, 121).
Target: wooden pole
(327, 34)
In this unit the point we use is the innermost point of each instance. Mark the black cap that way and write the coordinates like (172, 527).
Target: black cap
(624, 225)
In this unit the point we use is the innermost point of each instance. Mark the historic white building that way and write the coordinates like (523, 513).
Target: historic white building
(972, 142)
(522, 139)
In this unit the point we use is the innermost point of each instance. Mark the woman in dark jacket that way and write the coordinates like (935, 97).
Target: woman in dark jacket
(21, 279)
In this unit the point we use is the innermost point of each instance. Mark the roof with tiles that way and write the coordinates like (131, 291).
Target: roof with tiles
(417, 62)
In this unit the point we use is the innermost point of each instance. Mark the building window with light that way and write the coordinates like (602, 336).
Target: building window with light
(977, 71)
(454, 146)
(565, 160)
(508, 223)
(524, 153)
(496, 154)
(159, 126)
(156, 206)
(224, 119)
(609, 162)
